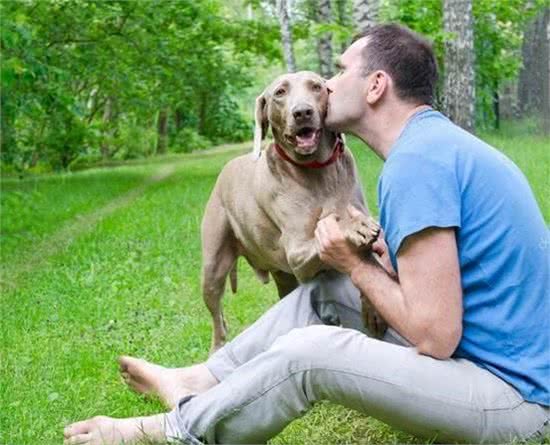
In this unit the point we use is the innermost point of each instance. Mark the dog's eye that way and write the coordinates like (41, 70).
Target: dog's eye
(317, 87)
(280, 92)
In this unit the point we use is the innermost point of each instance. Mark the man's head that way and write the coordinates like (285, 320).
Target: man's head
(387, 62)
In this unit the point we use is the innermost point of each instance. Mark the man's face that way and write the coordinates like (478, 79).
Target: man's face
(346, 102)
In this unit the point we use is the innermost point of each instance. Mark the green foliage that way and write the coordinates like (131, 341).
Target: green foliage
(188, 140)
(84, 80)
(131, 140)
(498, 32)
(82, 75)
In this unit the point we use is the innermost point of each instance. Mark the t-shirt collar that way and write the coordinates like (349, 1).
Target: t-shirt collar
(414, 118)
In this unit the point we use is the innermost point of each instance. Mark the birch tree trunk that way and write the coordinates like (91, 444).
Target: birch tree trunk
(365, 14)
(324, 43)
(459, 84)
(342, 17)
(529, 82)
(534, 78)
(546, 78)
(286, 35)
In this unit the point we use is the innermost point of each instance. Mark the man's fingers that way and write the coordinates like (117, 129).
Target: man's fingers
(328, 228)
(318, 238)
(378, 248)
(354, 211)
(330, 221)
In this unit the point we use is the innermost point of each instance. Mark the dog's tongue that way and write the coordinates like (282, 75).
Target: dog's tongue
(306, 139)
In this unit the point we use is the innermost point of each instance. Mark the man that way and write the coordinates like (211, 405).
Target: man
(464, 289)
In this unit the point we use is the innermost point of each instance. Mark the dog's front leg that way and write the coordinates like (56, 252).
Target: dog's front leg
(303, 259)
(362, 231)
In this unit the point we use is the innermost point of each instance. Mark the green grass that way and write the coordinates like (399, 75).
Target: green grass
(82, 286)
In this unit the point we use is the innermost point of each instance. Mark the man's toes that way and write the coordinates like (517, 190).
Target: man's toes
(79, 439)
(77, 428)
(126, 363)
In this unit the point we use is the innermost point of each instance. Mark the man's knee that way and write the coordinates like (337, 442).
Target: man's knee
(315, 345)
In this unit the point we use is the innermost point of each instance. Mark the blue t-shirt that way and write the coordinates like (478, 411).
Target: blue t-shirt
(438, 175)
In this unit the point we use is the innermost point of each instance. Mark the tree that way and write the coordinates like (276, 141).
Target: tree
(546, 83)
(286, 35)
(365, 14)
(533, 88)
(343, 18)
(324, 42)
(459, 83)
(82, 78)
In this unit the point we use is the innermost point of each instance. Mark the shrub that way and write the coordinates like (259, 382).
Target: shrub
(188, 140)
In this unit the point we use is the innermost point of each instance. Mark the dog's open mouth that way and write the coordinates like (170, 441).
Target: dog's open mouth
(307, 137)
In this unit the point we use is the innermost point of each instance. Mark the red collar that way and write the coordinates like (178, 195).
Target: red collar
(337, 151)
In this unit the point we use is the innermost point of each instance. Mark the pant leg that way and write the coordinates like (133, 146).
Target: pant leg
(451, 400)
(330, 298)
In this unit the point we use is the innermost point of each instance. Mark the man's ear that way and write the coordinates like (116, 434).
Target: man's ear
(262, 123)
(377, 86)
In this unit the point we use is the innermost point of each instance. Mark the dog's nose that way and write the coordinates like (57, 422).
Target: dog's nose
(301, 112)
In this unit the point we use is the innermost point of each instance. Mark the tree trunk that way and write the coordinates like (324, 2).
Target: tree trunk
(508, 100)
(365, 14)
(324, 43)
(342, 19)
(162, 131)
(178, 119)
(286, 35)
(459, 84)
(203, 107)
(7, 137)
(534, 73)
(546, 78)
(496, 105)
(107, 116)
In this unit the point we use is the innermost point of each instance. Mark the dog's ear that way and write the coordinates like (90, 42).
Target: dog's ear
(262, 123)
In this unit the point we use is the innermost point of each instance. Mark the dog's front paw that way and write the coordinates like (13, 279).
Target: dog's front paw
(362, 231)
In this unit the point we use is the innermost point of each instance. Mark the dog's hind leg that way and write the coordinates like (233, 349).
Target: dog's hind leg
(219, 254)
(285, 282)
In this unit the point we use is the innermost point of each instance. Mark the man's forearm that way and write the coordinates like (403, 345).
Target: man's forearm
(386, 295)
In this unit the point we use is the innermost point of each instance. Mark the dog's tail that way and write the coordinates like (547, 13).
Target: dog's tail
(233, 277)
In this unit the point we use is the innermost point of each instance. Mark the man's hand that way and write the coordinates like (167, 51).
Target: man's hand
(380, 248)
(334, 249)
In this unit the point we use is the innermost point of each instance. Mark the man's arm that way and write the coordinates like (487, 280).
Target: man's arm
(425, 305)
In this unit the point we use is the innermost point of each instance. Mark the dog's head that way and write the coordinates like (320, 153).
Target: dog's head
(295, 106)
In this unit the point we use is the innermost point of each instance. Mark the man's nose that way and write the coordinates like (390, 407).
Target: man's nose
(302, 111)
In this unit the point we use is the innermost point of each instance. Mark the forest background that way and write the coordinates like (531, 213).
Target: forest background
(87, 82)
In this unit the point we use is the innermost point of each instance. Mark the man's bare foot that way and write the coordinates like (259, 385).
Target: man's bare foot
(169, 384)
(103, 430)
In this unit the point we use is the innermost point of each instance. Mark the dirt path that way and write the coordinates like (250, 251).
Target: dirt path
(12, 274)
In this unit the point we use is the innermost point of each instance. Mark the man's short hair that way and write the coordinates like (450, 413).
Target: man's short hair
(406, 56)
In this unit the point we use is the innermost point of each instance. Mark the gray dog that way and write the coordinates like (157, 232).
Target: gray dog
(265, 205)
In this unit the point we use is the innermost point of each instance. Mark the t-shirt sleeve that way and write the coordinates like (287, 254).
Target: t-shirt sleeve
(416, 193)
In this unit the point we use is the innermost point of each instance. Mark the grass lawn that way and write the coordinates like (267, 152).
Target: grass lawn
(106, 262)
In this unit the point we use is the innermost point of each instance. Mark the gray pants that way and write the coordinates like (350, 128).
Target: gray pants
(275, 370)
